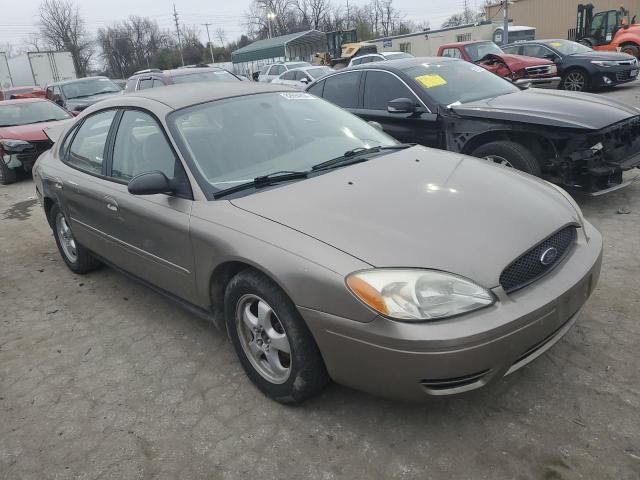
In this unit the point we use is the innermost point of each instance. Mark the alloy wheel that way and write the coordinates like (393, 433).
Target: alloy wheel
(263, 339)
(67, 241)
(574, 82)
(497, 159)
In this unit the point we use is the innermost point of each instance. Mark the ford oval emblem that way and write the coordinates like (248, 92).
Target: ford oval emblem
(549, 256)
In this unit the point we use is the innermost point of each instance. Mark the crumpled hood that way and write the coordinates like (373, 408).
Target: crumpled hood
(552, 108)
(516, 62)
(33, 132)
(422, 208)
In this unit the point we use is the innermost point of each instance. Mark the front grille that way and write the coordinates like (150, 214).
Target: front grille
(529, 267)
(539, 70)
(623, 76)
(31, 156)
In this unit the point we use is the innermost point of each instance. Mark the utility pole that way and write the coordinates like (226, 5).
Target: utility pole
(505, 10)
(348, 15)
(206, 25)
(175, 17)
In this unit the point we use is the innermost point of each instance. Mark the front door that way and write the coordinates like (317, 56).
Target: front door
(380, 88)
(149, 235)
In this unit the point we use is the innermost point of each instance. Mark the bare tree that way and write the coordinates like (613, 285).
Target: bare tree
(221, 35)
(62, 28)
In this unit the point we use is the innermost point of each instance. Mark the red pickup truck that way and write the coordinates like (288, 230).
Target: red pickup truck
(517, 68)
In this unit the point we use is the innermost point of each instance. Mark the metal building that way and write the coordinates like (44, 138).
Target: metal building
(554, 18)
(295, 46)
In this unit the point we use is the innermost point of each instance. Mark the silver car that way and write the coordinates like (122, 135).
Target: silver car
(274, 70)
(301, 77)
(324, 248)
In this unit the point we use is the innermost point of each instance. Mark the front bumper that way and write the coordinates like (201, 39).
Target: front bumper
(414, 360)
(550, 82)
(608, 77)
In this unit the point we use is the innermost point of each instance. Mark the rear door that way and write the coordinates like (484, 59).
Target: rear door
(342, 89)
(379, 88)
(149, 235)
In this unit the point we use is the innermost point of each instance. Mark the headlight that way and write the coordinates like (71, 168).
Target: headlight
(573, 203)
(14, 145)
(553, 69)
(414, 295)
(604, 63)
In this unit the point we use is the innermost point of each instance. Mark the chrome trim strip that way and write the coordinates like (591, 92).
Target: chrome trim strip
(134, 248)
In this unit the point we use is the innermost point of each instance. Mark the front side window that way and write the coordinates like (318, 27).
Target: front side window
(289, 75)
(537, 51)
(342, 89)
(234, 140)
(87, 148)
(380, 88)
(145, 83)
(158, 83)
(140, 147)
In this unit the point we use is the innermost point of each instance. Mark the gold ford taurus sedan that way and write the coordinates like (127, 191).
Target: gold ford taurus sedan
(324, 248)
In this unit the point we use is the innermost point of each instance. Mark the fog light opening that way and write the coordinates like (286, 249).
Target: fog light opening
(607, 80)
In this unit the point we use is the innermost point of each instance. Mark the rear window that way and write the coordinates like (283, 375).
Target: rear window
(213, 76)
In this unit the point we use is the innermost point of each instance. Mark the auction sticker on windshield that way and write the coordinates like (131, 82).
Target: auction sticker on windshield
(431, 80)
(555, 44)
(297, 96)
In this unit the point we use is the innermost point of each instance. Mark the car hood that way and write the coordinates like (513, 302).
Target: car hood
(616, 56)
(33, 132)
(551, 108)
(421, 208)
(74, 103)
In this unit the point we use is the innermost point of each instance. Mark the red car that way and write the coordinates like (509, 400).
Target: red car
(517, 68)
(22, 138)
(21, 92)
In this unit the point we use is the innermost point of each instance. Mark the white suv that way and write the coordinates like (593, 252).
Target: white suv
(276, 69)
(378, 57)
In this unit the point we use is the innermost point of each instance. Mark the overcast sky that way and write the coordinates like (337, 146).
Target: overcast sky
(19, 17)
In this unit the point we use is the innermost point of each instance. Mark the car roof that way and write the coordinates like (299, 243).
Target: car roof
(177, 72)
(308, 67)
(75, 80)
(401, 63)
(22, 100)
(469, 42)
(184, 95)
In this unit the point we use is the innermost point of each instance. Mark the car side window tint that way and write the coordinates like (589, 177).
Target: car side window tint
(342, 89)
(317, 89)
(145, 83)
(86, 152)
(140, 147)
(380, 88)
(158, 83)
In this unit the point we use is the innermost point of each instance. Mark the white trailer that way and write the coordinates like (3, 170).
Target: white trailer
(5, 75)
(41, 68)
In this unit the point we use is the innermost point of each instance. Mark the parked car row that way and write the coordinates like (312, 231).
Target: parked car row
(323, 246)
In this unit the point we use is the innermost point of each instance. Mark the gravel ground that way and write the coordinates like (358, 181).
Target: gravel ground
(102, 378)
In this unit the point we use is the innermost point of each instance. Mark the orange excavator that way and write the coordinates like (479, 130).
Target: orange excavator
(610, 30)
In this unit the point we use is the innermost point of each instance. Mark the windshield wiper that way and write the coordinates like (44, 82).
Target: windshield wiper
(48, 120)
(357, 155)
(264, 180)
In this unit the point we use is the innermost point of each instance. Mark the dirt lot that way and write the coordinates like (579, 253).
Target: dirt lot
(101, 378)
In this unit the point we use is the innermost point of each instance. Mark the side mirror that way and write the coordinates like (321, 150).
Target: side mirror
(60, 102)
(524, 85)
(149, 183)
(75, 113)
(376, 125)
(402, 105)
(552, 56)
(304, 80)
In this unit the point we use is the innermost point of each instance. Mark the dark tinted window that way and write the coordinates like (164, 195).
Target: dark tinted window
(317, 89)
(380, 88)
(140, 147)
(87, 149)
(342, 89)
(145, 83)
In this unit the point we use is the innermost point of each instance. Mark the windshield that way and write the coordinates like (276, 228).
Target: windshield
(477, 51)
(212, 76)
(566, 47)
(232, 141)
(24, 113)
(319, 72)
(89, 87)
(455, 81)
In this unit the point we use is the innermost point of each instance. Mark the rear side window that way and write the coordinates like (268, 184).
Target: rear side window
(131, 85)
(276, 70)
(288, 76)
(342, 89)
(158, 83)
(356, 61)
(451, 53)
(380, 88)
(513, 50)
(86, 152)
(145, 83)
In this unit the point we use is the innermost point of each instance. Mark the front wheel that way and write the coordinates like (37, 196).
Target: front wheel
(78, 259)
(631, 50)
(509, 154)
(271, 339)
(575, 81)
(7, 175)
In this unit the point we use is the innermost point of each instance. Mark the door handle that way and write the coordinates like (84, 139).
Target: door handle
(111, 204)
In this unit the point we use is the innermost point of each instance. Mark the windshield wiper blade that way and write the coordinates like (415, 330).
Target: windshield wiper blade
(48, 120)
(264, 180)
(355, 155)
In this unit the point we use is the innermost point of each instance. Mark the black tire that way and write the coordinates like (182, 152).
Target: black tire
(518, 156)
(307, 373)
(573, 78)
(84, 261)
(7, 175)
(631, 50)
